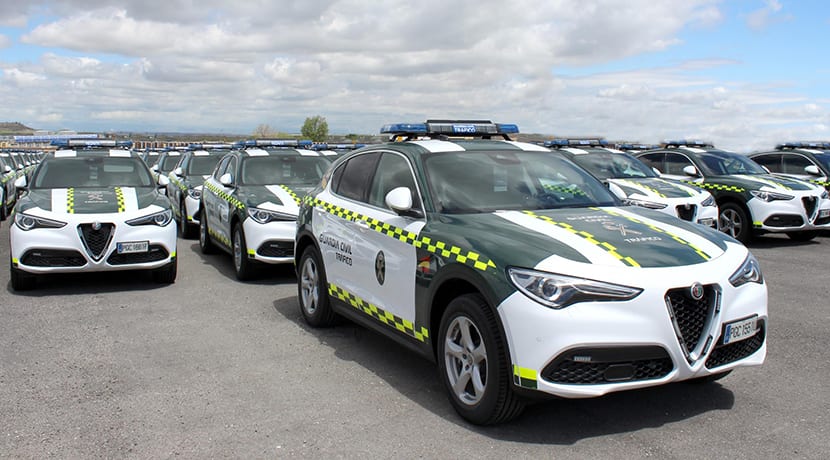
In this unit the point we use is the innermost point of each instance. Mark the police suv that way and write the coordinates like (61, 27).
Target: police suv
(520, 273)
(809, 161)
(249, 204)
(634, 182)
(750, 200)
(91, 206)
(185, 188)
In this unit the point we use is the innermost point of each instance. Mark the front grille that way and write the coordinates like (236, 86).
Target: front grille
(154, 254)
(276, 249)
(729, 353)
(690, 316)
(609, 365)
(810, 204)
(686, 213)
(822, 221)
(784, 220)
(53, 258)
(96, 241)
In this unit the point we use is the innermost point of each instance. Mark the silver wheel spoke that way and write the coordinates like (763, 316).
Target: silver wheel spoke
(479, 354)
(453, 349)
(465, 360)
(478, 385)
(460, 385)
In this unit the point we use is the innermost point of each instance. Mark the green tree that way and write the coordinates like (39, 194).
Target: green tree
(315, 128)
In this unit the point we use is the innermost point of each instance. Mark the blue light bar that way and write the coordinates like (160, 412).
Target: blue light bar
(326, 146)
(687, 143)
(92, 143)
(576, 142)
(272, 143)
(637, 146)
(803, 145)
(209, 146)
(451, 128)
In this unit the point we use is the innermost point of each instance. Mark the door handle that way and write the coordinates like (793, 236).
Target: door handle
(362, 225)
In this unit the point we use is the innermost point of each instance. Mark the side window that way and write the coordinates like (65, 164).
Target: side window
(795, 164)
(675, 163)
(653, 160)
(392, 172)
(221, 167)
(771, 162)
(231, 169)
(354, 180)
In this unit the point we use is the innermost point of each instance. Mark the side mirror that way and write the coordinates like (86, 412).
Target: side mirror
(163, 181)
(766, 169)
(400, 200)
(690, 170)
(657, 171)
(812, 170)
(7, 169)
(21, 183)
(155, 168)
(178, 171)
(226, 180)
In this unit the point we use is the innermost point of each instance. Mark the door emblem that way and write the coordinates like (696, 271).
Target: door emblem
(380, 267)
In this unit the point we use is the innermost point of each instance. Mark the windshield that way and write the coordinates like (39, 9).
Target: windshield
(202, 165)
(82, 172)
(473, 182)
(716, 163)
(168, 163)
(613, 165)
(823, 159)
(283, 170)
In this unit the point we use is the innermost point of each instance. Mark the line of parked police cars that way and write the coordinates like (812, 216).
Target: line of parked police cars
(571, 269)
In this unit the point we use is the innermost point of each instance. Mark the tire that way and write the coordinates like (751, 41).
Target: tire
(734, 221)
(709, 378)
(205, 243)
(312, 290)
(474, 365)
(241, 263)
(803, 236)
(22, 281)
(166, 274)
(187, 229)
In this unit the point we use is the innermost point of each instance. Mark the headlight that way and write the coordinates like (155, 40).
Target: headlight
(195, 192)
(770, 196)
(646, 204)
(27, 222)
(750, 272)
(263, 216)
(709, 201)
(560, 291)
(160, 218)
(825, 195)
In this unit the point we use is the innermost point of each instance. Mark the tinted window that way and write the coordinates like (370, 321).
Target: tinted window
(771, 162)
(169, 163)
(354, 180)
(674, 164)
(202, 165)
(92, 172)
(392, 172)
(653, 160)
(795, 164)
(613, 165)
(283, 170)
(222, 166)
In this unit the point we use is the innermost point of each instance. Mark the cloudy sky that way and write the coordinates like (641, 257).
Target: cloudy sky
(744, 74)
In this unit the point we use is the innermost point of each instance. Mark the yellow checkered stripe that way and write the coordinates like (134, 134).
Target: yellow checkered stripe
(441, 248)
(179, 184)
(525, 377)
(291, 192)
(643, 186)
(680, 240)
(219, 237)
(608, 247)
(221, 194)
(407, 327)
(721, 187)
(70, 201)
(823, 183)
(563, 189)
(119, 199)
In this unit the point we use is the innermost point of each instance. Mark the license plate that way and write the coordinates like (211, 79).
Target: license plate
(824, 213)
(740, 330)
(133, 246)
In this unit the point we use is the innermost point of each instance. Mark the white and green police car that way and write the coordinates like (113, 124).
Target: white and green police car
(91, 206)
(634, 182)
(521, 274)
(751, 201)
(185, 188)
(249, 204)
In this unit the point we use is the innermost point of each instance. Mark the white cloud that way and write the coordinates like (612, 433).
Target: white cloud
(5, 41)
(763, 17)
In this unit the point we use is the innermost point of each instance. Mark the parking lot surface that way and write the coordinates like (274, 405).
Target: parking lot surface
(114, 365)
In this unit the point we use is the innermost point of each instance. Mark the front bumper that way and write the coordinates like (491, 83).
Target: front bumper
(191, 209)
(591, 349)
(65, 249)
(271, 243)
(789, 215)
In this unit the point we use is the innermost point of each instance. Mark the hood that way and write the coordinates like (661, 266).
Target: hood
(612, 236)
(653, 187)
(283, 197)
(93, 200)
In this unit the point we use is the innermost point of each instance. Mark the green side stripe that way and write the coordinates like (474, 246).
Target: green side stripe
(680, 240)
(441, 248)
(608, 247)
(407, 327)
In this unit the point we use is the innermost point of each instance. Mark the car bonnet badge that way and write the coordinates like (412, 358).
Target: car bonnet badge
(96, 225)
(696, 291)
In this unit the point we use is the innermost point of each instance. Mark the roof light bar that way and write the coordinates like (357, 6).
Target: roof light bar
(686, 143)
(326, 146)
(209, 146)
(637, 146)
(803, 145)
(576, 142)
(92, 143)
(451, 128)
